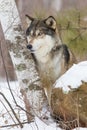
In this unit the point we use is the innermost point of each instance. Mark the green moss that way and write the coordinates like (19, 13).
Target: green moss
(21, 67)
(25, 81)
(34, 87)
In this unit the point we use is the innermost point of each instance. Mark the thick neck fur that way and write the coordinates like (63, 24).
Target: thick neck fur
(44, 53)
(49, 60)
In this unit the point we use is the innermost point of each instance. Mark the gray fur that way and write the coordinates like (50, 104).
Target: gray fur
(52, 58)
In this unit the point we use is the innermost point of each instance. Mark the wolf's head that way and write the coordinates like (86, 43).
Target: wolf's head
(41, 35)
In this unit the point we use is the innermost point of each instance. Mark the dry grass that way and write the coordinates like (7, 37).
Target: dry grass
(71, 109)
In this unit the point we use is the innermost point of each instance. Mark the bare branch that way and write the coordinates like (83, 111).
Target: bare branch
(11, 109)
(8, 111)
(11, 125)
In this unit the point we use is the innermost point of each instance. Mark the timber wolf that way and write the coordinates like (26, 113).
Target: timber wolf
(51, 56)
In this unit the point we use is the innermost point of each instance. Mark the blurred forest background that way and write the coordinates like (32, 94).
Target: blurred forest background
(52, 5)
(71, 16)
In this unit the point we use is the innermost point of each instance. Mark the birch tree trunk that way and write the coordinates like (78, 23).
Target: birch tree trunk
(24, 65)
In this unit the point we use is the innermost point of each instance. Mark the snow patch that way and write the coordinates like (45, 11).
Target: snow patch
(73, 77)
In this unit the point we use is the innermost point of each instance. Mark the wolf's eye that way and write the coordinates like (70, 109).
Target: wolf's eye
(40, 33)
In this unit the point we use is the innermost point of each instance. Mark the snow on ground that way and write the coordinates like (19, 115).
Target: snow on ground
(6, 115)
(36, 125)
(73, 77)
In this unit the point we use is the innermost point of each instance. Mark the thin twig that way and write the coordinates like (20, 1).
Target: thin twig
(11, 109)
(8, 111)
(9, 26)
(77, 105)
(9, 88)
(9, 84)
(6, 71)
(11, 125)
(79, 35)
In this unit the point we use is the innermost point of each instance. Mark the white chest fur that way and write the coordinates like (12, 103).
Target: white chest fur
(50, 67)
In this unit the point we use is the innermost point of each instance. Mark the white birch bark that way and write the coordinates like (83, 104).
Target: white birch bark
(23, 63)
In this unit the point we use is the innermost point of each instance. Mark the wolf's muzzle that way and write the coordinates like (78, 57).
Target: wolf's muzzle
(29, 46)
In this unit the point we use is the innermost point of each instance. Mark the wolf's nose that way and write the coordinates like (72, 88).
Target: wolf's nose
(29, 46)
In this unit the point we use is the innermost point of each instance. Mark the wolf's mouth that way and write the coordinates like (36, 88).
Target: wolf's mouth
(32, 51)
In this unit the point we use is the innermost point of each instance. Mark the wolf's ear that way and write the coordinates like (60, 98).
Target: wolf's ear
(51, 22)
(29, 19)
